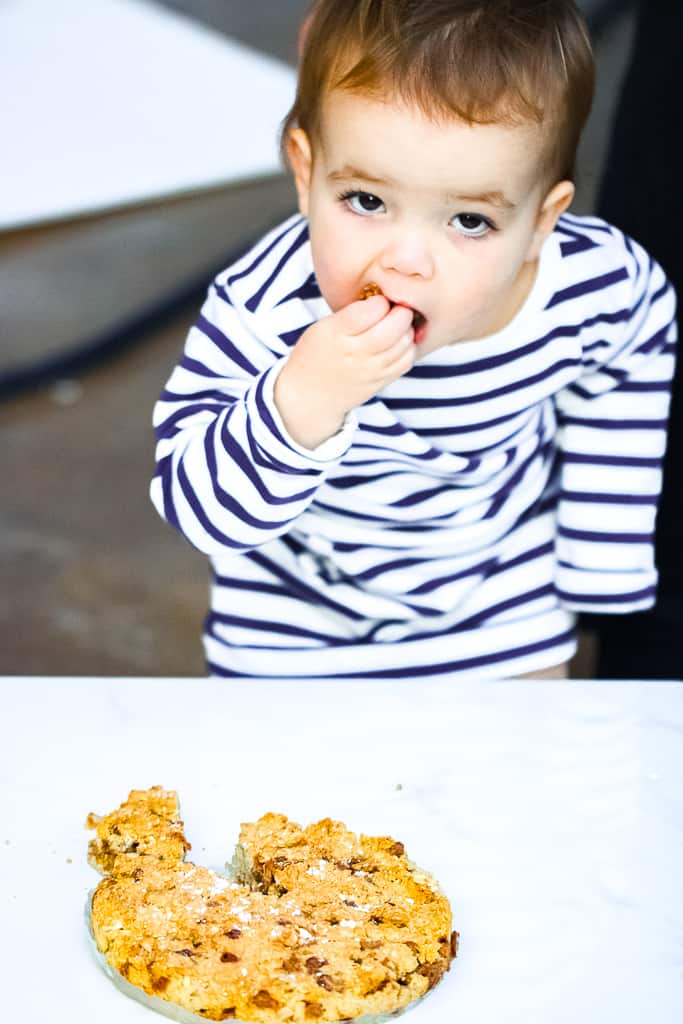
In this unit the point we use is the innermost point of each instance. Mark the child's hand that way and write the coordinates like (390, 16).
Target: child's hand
(340, 362)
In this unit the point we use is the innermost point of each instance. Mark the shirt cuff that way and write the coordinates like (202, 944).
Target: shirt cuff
(272, 434)
(595, 590)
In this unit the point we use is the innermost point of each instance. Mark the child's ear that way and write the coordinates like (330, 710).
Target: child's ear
(301, 162)
(554, 204)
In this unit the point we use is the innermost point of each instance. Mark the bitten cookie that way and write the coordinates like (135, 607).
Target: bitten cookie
(369, 289)
(317, 924)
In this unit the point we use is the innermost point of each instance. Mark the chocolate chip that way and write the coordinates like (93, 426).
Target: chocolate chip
(455, 942)
(234, 933)
(349, 903)
(313, 964)
(325, 981)
(397, 850)
(265, 1001)
(184, 952)
(432, 972)
(229, 958)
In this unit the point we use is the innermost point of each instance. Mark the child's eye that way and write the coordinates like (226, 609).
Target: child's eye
(362, 202)
(472, 225)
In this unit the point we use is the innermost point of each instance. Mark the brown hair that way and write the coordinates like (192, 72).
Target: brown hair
(483, 61)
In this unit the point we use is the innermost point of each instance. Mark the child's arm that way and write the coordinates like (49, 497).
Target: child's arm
(612, 437)
(227, 475)
(241, 455)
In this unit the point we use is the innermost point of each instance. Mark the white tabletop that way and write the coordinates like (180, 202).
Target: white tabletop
(552, 814)
(110, 102)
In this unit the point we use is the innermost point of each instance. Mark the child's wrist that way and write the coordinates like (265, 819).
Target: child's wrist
(309, 416)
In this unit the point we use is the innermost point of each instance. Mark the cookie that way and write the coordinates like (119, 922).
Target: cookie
(313, 924)
(369, 290)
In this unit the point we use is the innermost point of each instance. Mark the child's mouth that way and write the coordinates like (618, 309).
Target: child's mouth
(419, 320)
(419, 326)
(419, 323)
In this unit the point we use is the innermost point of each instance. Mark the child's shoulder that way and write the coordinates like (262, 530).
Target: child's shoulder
(596, 257)
(580, 235)
(273, 269)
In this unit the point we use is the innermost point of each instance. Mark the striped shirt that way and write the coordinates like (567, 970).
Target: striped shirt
(461, 517)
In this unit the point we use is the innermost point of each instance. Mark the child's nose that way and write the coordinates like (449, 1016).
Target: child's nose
(408, 253)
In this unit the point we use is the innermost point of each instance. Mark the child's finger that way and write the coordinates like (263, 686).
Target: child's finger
(362, 314)
(402, 352)
(385, 334)
(401, 360)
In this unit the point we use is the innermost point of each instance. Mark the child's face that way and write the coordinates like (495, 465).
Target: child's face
(446, 217)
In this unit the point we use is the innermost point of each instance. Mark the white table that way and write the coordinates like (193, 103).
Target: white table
(552, 813)
(110, 102)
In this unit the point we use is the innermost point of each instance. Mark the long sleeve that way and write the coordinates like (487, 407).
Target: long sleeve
(612, 438)
(228, 476)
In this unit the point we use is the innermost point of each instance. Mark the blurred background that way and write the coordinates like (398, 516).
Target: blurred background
(103, 264)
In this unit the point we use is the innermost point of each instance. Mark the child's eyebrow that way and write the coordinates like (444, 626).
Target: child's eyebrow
(493, 197)
(348, 171)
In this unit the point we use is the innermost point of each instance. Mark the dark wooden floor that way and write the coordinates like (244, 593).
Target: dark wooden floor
(92, 582)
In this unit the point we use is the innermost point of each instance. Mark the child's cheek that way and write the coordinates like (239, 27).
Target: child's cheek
(331, 280)
(337, 264)
(478, 267)
(480, 287)
(490, 265)
(339, 254)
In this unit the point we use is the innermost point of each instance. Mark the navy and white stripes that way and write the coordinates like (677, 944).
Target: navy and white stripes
(463, 515)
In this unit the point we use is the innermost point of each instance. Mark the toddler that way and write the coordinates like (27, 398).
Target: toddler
(438, 478)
